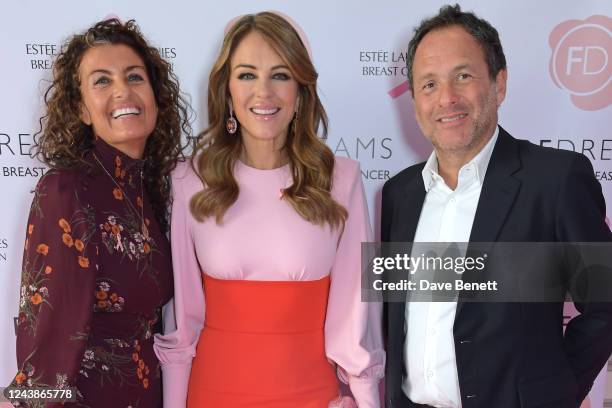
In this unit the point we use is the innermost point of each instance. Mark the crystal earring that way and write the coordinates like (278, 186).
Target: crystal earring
(231, 125)
(294, 121)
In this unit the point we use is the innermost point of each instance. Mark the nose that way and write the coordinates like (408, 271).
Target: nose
(448, 95)
(263, 88)
(120, 88)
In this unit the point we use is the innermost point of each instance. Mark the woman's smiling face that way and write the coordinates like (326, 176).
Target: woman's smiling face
(117, 97)
(263, 91)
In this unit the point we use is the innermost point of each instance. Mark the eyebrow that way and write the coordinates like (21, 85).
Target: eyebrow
(430, 75)
(107, 72)
(282, 66)
(461, 67)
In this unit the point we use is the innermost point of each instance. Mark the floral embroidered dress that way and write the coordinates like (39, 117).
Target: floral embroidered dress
(96, 271)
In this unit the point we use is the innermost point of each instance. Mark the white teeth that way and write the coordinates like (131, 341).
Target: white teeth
(259, 111)
(453, 118)
(125, 111)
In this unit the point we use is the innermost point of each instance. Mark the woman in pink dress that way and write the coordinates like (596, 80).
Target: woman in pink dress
(266, 232)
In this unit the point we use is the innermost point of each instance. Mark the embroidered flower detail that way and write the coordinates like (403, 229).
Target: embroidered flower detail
(20, 378)
(88, 355)
(89, 359)
(126, 236)
(101, 295)
(64, 225)
(142, 370)
(36, 299)
(83, 262)
(42, 249)
(67, 240)
(117, 193)
(60, 380)
(22, 298)
(106, 301)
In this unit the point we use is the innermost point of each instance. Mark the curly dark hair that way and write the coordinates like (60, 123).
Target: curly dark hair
(64, 141)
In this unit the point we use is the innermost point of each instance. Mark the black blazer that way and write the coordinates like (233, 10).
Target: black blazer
(512, 355)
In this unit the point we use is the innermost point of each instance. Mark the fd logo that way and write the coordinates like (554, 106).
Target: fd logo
(580, 61)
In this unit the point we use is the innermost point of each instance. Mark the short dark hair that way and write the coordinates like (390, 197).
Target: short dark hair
(480, 29)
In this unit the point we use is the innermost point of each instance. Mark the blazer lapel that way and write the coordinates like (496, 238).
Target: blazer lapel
(497, 196)
(499, 190)
(408, 211)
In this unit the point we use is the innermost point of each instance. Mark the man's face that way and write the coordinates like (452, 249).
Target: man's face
(455, 99)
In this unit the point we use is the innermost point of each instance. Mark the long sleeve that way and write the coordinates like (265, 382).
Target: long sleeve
(184, 315)
(353, 337)
(57, 286)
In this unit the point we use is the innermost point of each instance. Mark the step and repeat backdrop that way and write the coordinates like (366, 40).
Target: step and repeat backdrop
(559, 89)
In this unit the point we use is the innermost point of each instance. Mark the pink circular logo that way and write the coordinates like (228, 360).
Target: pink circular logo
(580, 61)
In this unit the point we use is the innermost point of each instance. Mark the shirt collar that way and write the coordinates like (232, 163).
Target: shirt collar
(480, 162)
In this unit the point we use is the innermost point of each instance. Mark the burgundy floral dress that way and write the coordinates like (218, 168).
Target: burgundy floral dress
(96, 271)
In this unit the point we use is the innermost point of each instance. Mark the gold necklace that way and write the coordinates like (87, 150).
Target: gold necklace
(143, 227)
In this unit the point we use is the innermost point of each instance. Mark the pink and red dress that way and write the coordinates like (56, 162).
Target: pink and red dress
(267, 308)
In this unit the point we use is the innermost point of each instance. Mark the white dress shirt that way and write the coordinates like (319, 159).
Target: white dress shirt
(429, 350)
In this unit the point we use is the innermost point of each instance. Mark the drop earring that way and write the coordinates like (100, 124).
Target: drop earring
(295, 119)
(231, 125)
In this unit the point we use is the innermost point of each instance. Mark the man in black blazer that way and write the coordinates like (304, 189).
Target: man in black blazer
(504, 355)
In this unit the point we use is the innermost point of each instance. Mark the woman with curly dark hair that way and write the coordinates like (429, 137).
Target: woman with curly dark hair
(96, 267)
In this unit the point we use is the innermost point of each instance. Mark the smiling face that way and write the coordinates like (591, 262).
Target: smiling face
(117, 98)
(263, 91)
(454, 97)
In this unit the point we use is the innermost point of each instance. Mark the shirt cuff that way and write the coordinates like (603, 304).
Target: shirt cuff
(175, 379)
(365, 392)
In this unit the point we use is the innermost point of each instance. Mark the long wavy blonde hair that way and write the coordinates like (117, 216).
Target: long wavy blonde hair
(310, 160)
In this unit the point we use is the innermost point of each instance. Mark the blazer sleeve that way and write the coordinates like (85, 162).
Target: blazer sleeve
(57, 286)
(353, 337)
(581, 218)
(184, 315)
